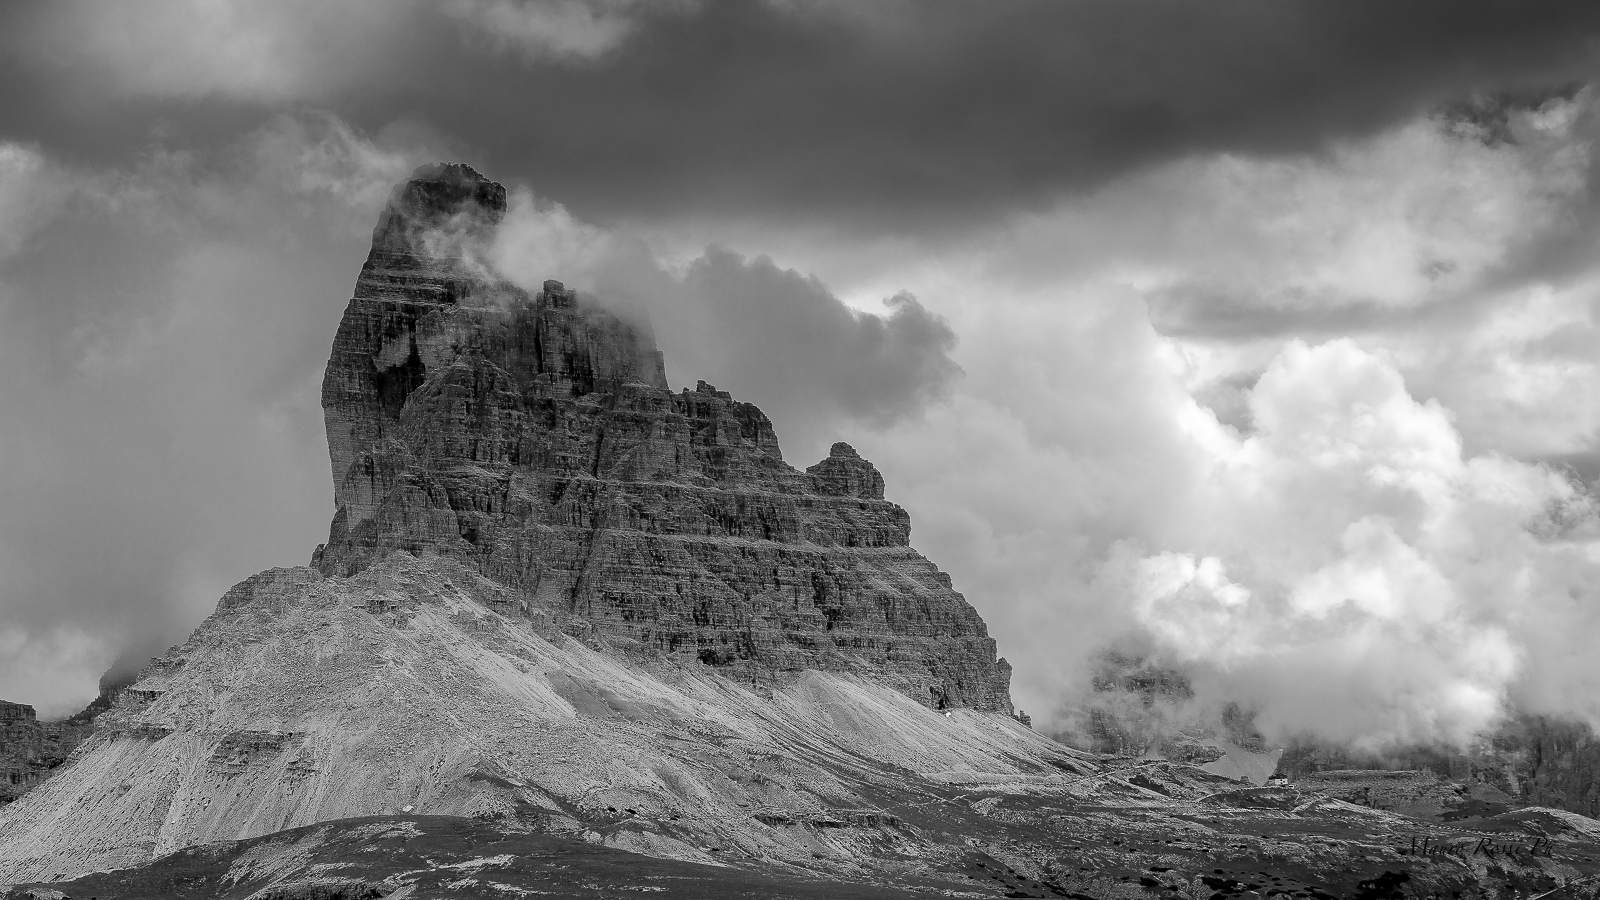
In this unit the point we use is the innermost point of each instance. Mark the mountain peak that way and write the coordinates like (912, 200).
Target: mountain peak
(448, 187)
(532, 437)
(442, 203)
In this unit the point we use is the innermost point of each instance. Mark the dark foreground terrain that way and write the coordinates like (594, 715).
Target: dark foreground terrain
(430, 856)
(1152, 831)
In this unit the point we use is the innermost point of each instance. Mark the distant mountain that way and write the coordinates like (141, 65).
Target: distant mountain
(1526, 761)
(1140, 708)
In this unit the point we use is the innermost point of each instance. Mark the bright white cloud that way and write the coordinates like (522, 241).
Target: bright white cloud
(540, 239)
(1376, 551)
(557, 29)
(1350, 531)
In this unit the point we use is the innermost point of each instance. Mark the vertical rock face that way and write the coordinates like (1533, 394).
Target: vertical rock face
(534, 439)
(30, 750)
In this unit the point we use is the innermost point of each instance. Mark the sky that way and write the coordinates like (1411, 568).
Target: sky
(1256, 338)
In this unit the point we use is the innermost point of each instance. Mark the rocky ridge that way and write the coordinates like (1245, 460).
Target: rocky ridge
(534, 439)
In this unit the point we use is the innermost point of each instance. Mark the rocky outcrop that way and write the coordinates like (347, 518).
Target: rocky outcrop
(534, 439)
(30, 750)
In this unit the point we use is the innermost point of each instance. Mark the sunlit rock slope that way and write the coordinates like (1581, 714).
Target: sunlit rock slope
(419, 685)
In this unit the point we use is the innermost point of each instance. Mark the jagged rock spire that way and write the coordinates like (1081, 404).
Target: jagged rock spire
(533, 438)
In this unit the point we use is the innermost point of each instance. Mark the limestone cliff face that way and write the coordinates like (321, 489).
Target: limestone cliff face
(534, 439)
(28, 751)
(31, 750)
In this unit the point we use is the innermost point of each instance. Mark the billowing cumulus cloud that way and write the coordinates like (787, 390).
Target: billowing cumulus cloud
(1350, 570)
(1421, 240)
(1372, 536)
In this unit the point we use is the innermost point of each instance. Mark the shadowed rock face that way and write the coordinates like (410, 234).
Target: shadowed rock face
(534, 439)
(31, 750)
(27, 750)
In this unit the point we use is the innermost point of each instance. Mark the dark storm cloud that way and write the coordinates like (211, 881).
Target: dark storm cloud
(1208, 314)
(784, 341)
(1196, 312)
(914, 117)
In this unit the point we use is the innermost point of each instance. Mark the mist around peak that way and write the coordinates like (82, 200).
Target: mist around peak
(788, 343)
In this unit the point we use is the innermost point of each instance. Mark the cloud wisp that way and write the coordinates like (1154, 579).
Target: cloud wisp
(774, 336)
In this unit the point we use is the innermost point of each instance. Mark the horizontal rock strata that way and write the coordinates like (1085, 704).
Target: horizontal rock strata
(30, 749)
(534, 439)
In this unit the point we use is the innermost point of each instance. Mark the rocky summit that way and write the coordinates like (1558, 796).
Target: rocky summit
(533, 438)
(575, 634)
